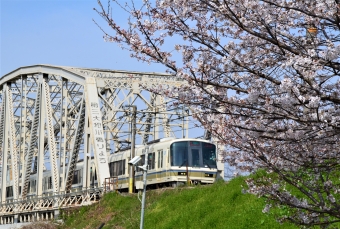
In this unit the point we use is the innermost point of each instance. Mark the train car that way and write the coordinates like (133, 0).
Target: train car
(171, 162)
(47, 189)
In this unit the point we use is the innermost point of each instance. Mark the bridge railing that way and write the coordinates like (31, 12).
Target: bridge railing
(58, 201)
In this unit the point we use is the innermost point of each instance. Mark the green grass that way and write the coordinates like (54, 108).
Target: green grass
(221, 205)
(215, 206)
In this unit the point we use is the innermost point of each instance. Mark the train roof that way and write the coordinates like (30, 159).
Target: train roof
(171, 139)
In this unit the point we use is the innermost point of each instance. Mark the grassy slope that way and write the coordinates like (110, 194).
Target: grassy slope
(219, 205)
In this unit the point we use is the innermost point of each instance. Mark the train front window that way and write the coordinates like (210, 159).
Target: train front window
(179, 154)
(209, 155)
(193, 154)
(195, 158)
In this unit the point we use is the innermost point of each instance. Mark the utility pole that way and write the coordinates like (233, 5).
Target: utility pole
(133, 143)
(183, 129)
(145, 171)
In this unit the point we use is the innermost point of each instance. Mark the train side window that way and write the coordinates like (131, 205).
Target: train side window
(9, 191)
(50, 183)
(117, 168)
(43, 183)
(32, 185)
(77, 177)
(160, 159)
(151, 160)
(111, 169)
(93, 174)
(122, 167)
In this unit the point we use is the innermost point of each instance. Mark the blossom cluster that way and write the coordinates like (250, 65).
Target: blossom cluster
(264, 78)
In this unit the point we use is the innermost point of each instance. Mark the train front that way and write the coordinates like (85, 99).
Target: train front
(193, 162)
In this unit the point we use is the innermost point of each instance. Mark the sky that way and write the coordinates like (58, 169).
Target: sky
(63, 32)
(60, 32)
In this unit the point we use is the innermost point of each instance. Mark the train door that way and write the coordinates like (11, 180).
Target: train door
(158, 177)
(152, 168)
(159, 173)
(195, 158)
(167, 163)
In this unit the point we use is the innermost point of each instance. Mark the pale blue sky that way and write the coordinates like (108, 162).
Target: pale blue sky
(59, 32)
(62, 32)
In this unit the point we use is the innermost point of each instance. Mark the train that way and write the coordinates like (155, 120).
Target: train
(171, 162)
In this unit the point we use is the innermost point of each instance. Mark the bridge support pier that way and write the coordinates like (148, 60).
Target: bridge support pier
(56, 213)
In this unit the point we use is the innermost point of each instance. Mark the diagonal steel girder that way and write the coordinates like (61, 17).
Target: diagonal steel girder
(52, 110)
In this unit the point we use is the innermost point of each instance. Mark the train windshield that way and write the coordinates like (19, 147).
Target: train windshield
(193, 154)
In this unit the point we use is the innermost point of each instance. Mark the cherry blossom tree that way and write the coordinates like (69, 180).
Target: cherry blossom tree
(264, 78)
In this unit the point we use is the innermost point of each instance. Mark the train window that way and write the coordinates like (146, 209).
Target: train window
(160, 159)
(111, 168)
(195, 157)
(80, 175)
(49, 184)
(44, 186)
(77, 177)
(9, 191)
(32, 186)
(151, 160)
(209, 155)
(93, 174)
(179, 153)
(117, 168)
(193, 153)
(122, 167)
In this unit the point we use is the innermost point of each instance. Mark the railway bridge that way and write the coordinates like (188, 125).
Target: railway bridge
(53, 117)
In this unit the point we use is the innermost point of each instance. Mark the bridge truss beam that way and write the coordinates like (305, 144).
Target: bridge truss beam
(54, 117)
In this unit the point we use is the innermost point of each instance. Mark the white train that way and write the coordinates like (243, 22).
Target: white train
(170, 162)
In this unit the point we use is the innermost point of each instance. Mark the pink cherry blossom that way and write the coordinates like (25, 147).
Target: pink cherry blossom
(264, 78)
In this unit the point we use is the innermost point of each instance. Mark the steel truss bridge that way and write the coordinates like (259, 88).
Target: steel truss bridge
(51, 117)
